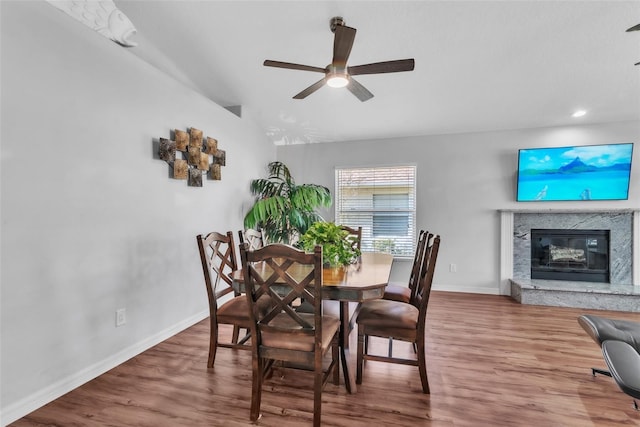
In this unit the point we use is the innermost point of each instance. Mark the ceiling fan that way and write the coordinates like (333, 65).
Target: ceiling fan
(338, 74)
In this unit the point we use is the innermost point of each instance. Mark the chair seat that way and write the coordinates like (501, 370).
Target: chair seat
(602, 329)
(296, 339)
(235, 311)
(388, 314)
(397, 293)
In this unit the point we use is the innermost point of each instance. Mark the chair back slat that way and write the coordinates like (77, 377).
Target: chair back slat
(416, 269)
(423, 290)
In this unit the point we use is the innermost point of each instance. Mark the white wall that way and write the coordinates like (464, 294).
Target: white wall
(91, 221)
(463, 179)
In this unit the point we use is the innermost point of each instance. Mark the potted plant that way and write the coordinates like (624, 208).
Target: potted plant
(284, 210)
(338, 247)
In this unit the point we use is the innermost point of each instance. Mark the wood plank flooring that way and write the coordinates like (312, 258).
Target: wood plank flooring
(491, 362)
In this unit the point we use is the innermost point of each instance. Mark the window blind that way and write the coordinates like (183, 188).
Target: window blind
(381, 200)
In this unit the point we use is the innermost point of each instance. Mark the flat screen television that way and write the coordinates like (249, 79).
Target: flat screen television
(588, 172)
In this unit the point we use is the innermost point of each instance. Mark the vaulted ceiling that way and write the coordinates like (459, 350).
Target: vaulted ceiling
(479, 65)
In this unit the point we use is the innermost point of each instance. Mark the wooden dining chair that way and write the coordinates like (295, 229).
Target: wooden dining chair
(254, 238)
(400, 321)
(405, 293)
(402, 292)
(355, 235)
(276, 276)
(226, 306)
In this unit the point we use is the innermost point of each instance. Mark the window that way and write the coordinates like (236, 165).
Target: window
(383, 202)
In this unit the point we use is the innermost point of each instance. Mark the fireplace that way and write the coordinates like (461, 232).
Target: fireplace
(570, 254)
(621, 292)
(624, 243)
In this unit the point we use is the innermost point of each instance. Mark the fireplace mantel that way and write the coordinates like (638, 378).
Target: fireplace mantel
(507, 239)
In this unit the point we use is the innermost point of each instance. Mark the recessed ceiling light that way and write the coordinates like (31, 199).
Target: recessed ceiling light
(579, 113)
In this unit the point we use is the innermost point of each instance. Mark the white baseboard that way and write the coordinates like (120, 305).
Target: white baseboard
(31, 403)
(474, 290)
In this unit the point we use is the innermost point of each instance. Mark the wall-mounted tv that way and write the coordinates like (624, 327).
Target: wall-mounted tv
(588, 172)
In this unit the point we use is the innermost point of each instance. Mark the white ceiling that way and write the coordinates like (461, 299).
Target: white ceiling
(480, 65)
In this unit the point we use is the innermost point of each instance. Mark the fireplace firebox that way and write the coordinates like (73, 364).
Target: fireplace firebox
(576, 255)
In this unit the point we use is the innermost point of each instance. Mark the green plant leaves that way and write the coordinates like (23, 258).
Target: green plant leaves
(284, 210)
(337, 246)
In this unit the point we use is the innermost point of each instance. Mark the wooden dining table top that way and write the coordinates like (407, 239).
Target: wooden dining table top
(366, 279)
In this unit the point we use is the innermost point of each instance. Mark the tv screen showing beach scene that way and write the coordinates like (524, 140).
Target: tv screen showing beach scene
(588, 172)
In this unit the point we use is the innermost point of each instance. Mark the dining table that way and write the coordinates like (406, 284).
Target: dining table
(351, 285)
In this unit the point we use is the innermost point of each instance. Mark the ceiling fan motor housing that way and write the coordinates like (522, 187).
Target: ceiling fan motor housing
(337, 76)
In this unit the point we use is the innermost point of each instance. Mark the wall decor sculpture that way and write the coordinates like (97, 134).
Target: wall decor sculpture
(191, 156)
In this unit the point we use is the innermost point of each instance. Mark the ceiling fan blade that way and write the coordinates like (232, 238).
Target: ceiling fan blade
(308, 91)
(634, 28)
(289, 65)
(361, 92)
(383, 67)
(342, 44)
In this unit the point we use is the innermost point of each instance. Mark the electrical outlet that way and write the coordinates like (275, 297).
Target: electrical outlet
(121, 316)
(453, 268)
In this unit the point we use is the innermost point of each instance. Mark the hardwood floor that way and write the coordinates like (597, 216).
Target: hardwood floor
(491, 362)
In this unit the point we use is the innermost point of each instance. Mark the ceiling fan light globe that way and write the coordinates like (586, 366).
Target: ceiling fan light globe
(337, 81)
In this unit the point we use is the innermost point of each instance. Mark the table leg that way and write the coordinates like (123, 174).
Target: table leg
(345, 332)
(345, 322)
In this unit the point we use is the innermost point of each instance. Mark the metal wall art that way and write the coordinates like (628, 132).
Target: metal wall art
(191, 156)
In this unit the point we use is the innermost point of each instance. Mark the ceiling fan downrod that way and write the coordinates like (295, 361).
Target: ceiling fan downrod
(335, 21)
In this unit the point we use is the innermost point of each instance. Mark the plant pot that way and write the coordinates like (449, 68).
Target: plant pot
(333, 275)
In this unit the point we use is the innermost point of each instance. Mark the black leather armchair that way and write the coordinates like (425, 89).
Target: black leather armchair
(620, 344)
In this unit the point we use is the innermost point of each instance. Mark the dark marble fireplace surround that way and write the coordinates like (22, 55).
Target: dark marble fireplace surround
(620, 294)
